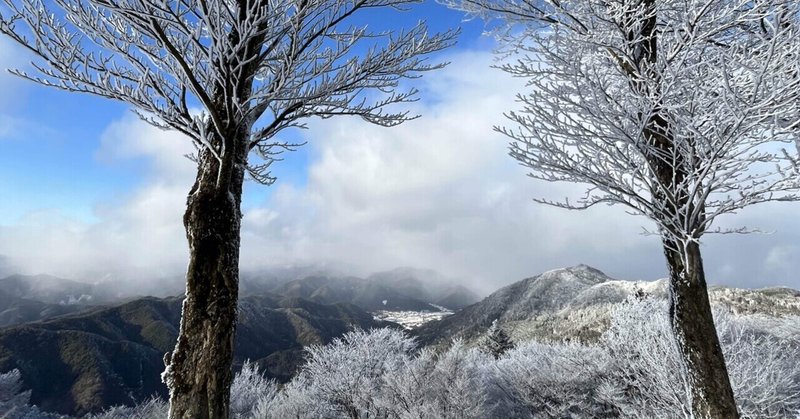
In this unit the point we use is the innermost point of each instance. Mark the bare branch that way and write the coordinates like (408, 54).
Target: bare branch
(678, 110)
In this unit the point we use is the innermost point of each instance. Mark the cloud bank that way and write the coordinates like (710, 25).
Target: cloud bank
(438, 192)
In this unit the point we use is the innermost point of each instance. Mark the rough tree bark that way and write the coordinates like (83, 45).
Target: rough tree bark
(693, 324)
(199, 369)
(690, 313)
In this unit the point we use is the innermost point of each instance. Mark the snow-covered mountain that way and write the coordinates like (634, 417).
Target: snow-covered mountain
(576, 303)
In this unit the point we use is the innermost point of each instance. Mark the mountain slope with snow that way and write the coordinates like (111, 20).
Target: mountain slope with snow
(576, 303)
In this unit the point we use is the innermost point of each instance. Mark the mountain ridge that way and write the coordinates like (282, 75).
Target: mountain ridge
(576, 303)
(85, 362)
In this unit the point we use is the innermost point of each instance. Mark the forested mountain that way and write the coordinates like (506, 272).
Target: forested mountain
(25, 298)
(15, 310)
(54, 290)
(426, 285)
(109, 356)
(398, 289)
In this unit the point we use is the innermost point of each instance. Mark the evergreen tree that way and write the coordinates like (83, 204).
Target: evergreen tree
(497, 341)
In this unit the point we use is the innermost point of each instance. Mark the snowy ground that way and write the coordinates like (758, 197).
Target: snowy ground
(411, 319)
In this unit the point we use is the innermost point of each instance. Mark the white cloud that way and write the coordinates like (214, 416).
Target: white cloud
(139, 231)
(436, 192)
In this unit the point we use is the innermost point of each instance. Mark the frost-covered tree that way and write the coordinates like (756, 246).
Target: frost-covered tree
(555, 380)
(12, 397)
(154, 408)
(249, 390)
(674, 109)
(15, 402)
(644, 378)
(231, 75)
(496, 342)
(345, 378)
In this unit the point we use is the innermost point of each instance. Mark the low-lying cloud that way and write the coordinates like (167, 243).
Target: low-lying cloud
(437, 192)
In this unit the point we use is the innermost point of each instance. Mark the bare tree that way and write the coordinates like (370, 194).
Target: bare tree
(675, 109)
(230, 75)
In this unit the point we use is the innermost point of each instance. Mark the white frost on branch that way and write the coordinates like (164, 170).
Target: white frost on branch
(678, 110)
(255, 65)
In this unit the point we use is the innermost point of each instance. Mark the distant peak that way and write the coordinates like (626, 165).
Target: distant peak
(586, 268)
(577, 269)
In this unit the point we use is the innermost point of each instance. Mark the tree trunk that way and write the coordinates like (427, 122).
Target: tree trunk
(198, 371)
(693, 325)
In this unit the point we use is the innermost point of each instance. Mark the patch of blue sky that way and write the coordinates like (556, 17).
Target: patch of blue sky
(48, 159)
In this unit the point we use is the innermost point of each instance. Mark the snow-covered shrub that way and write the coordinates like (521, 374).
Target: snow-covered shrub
(553, 380)
(153, 408)
(645, 370)
(249, 389)
(346, 377)
(452, 384)
(646, 378)
(763, 368)
(406, 390)
(378, 374)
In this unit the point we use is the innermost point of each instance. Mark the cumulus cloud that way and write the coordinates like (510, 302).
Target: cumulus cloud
(437, 192)
(137, 232)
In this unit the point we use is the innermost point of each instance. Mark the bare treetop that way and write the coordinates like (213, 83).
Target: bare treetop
(678, 110)
(199, 66)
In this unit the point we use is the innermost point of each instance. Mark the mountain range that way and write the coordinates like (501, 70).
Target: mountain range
(400, 289)
(84, 362)
(83, 347)
(79, 354)
(36, 297)
(576, 303)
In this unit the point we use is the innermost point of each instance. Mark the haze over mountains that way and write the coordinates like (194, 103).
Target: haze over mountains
(81, 349)
(84, 347)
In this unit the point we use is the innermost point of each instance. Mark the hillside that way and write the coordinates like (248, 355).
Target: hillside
(379, 292)
(576, 302)
(84, 362)
(16, 310)
(426, 285)
(25, 298)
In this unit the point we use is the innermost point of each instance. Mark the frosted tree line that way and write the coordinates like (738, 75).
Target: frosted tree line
(633, 371)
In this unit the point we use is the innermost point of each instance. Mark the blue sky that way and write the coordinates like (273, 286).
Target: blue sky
(88, 191)
(51, 161)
